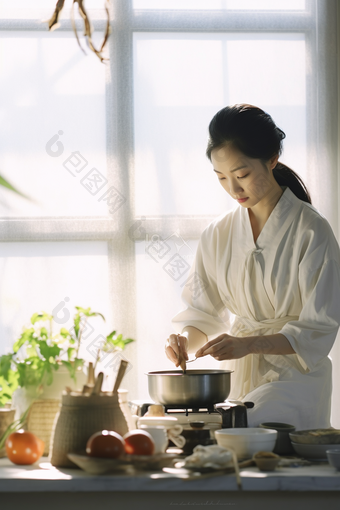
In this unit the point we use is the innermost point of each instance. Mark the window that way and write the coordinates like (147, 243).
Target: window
(141, 122)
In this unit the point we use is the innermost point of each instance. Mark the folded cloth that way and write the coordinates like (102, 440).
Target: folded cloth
(212, 456)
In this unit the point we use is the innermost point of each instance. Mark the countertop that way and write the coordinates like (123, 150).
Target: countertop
(43, 477)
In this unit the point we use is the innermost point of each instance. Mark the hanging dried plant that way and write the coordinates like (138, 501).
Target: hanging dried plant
(53, 23)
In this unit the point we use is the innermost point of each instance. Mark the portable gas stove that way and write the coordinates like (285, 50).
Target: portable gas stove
(228, 414)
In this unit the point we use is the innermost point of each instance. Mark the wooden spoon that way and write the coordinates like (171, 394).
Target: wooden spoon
(121, 372)
(98, 384)
(183, 364)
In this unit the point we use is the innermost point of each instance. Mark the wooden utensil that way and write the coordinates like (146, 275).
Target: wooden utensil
(90, 375)
(98, 384)
(87, 390)
(88, 387)
(183, 365)
(182, 361)
(121, 372)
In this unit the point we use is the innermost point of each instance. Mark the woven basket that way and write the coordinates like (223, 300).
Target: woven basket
(6, 418)
(81, 416)
(41, 418)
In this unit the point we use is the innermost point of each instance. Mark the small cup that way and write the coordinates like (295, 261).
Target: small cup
(283, 445)
(159, 436)
(266, 461)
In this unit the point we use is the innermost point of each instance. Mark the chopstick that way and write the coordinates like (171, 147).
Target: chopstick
(182, 361)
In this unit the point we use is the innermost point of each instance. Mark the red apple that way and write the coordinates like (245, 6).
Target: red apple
(106, 443)
(139, 442)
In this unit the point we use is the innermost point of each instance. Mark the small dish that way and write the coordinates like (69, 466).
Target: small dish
(100, 466)
(266, 461)
(333, 456)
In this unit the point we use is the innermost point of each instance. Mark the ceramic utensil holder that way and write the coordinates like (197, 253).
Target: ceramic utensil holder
(81, 416)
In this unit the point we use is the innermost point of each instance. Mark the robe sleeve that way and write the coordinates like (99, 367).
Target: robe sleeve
(204, 307)
(313, 335)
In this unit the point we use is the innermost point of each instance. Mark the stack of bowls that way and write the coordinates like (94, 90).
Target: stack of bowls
(314, 443)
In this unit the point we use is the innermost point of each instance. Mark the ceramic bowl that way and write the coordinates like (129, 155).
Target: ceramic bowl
(333, 456)
(266, 461)
(316, 436)
(246, 441)
(312, 451)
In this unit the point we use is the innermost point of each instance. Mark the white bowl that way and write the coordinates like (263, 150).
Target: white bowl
(247, 441)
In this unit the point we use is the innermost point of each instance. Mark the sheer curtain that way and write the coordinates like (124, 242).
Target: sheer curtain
(141, 122)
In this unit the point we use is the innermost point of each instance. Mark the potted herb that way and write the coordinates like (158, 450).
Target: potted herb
(44, 362)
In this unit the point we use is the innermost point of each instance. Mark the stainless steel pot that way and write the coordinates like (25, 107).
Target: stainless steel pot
(195, 388)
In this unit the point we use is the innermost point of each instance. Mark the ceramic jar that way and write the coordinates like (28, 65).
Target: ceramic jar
(283, 445)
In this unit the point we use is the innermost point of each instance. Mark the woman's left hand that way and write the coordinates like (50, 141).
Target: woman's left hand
(224, 347)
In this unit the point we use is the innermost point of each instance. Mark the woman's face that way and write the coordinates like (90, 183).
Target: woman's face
(243, 177)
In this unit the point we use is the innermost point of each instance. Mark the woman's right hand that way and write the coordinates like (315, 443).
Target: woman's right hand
(176, 348)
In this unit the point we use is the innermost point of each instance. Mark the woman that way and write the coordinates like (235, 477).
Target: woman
(268, 274)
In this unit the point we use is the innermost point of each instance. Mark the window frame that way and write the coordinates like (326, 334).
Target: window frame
(120, 132)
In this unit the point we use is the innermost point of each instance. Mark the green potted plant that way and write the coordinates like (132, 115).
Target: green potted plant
(42, 359)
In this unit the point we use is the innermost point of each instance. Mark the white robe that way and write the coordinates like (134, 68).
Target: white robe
(287, 282)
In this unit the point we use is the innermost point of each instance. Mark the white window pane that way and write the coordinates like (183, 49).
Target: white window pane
(181, 81)
(39, 276)
(268, 5)
(154, 314)
(51, 87)
(43, 9)
(222, 4)
(179, 4)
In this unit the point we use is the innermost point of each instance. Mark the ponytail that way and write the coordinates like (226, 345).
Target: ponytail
(285, 176)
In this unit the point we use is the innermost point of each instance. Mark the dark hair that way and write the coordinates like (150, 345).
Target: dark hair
(253, 132)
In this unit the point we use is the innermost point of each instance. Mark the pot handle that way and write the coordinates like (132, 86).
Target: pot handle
(176, 438)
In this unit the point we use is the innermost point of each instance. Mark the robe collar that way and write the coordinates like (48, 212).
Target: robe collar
(281, 217)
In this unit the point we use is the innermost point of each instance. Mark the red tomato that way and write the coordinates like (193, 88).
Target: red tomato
(139, 442)
(24, 448)
(105, 443)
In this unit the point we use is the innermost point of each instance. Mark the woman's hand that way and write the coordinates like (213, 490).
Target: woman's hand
(225, 347)
(176, 348)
